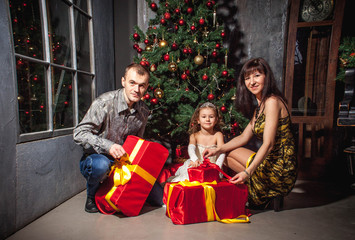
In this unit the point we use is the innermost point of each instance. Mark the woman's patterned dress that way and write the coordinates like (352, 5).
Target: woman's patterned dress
(276, 175)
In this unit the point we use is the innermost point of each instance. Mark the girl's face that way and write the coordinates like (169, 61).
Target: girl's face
(255, 83)
(207, 118)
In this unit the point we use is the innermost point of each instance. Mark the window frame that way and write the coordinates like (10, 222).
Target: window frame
(47, 64)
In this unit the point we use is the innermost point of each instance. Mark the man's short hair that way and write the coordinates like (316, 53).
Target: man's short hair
(138, 68)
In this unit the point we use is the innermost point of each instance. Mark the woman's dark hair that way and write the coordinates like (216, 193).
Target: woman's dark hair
(245, 100)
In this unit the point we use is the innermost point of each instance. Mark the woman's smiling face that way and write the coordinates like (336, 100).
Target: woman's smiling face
(255, 83)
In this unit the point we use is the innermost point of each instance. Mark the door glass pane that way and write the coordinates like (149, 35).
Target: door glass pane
(82, 4)
(310, 73)
(31, 96)
(82, 41)
(84, 94)
(58, 31)
(62, 98)
(26, 28)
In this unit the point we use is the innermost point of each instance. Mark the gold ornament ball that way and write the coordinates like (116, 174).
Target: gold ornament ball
(163, 43)
(172, 67)
(153, 68)
(158, 93)
(20, 98)
(149, 48)
(198, 59)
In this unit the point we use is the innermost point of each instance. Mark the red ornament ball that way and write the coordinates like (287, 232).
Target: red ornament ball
(177, 11)
(214, 54)
(142, 63)
(162, 21)
(187, 71)
(146, 41)
(225, 73)
(189, 10)
(181, 22)
(193, 28)
(167, 16)
(204, 77)
(139, 50)
(190, 50)
(223, 109)
(166, 57)
(235, 125)
(136, 36)
(174, 46)
(201, 21)
(218, 45)
(176, 27)
(223, 34)
(146, 96)
(154, 101)
(183, 76)
(153, 6)
(185, 51)
(209, 4)
(210, 96)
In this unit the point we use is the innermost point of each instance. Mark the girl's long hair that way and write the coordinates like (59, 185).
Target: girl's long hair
(195, 127)
(245, 100)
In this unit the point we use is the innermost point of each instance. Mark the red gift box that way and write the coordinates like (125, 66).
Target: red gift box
(194, 202)
(132, 178)
(205, 172)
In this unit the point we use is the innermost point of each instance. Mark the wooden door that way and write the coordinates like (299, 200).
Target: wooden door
(311, 65)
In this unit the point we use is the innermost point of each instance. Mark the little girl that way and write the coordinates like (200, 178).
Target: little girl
(205, 133)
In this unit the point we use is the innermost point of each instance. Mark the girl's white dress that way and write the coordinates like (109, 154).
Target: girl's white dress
(181, 174)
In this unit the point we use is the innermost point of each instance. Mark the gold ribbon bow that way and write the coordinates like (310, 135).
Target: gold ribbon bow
(122, 170)
(210, 199)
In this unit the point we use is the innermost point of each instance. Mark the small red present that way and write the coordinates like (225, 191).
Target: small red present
(181, 154)
(132, 177)
(205, 172)
(194, 202)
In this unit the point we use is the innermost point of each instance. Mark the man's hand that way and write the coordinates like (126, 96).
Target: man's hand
(117, 151)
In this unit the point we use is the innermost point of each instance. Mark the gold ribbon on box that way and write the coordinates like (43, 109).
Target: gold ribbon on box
(210, 200)
(122, 170)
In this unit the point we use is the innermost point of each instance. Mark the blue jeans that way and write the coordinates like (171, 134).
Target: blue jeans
(95, 168)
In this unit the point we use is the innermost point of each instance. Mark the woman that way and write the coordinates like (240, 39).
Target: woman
(270, 173)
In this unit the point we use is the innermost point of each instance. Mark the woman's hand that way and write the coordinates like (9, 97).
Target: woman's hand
(239, 178)
(210, 152)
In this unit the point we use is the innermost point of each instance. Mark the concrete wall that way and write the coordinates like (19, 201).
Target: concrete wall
(8, 128)
(125, 18)
(256, 29)
(39, 175)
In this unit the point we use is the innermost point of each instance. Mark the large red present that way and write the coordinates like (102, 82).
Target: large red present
(132, 177)
(194, 202)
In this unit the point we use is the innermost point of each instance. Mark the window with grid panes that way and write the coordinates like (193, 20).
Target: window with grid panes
(53, 47)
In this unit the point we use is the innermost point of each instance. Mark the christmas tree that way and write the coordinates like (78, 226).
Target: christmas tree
(183, 49)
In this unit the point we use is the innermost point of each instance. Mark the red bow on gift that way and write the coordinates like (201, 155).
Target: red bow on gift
(207, 163)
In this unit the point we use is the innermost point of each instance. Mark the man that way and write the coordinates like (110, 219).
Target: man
(110, 119)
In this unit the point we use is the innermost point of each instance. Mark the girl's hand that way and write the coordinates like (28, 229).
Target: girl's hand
(194, 164)
(239, 178)
(209, 152)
